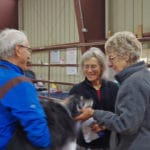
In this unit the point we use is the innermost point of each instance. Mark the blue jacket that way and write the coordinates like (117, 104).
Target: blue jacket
(21, 105)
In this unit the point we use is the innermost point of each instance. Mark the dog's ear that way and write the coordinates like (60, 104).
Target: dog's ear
(67, 100)
(72, 103)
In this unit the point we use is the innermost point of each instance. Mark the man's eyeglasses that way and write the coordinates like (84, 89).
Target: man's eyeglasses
(28, 48)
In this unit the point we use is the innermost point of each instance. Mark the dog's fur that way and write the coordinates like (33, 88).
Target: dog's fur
(62, 125)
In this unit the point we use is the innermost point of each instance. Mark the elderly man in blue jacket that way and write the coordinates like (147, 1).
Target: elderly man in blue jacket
(19, 103)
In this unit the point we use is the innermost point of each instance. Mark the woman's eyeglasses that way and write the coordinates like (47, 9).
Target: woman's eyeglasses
(113, 58)
(92, 67)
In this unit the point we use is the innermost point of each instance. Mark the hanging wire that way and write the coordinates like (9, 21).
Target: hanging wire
(81, 17)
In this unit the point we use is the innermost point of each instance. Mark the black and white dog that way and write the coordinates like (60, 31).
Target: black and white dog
(60, 121)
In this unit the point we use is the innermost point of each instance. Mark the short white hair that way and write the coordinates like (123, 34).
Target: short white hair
(9, 38)
(124, 42)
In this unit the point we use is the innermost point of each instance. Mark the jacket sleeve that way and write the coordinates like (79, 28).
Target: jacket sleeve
(26, 108)
(130, 109)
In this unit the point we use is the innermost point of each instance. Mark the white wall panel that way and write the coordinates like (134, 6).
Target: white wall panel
(146, 15)
(138, 14)
(48, 22)
(127, 15)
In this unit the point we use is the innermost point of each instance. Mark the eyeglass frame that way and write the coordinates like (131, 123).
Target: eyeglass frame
(29, 48)
(111, 59)
(92, 67)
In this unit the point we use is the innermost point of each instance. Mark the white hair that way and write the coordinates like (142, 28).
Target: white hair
(124, 42)
(9, 38)
(100, 56)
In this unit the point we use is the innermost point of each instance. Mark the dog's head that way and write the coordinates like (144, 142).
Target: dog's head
(76, 103)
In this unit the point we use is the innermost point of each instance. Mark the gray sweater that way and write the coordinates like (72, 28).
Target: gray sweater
(131, 119)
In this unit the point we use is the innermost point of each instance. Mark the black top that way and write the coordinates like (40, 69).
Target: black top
(107, 102)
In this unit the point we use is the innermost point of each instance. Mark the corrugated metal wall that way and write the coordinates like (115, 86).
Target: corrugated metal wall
(48, 22)
(127, 15)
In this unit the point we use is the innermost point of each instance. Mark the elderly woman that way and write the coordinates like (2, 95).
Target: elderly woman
(131, 118)
(96, 87)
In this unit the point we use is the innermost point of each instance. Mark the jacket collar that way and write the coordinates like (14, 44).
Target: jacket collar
(128, 71)
(11, 66)
(88, 83)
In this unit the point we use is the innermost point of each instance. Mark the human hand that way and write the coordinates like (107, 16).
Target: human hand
(85, 114)
(97, 127)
